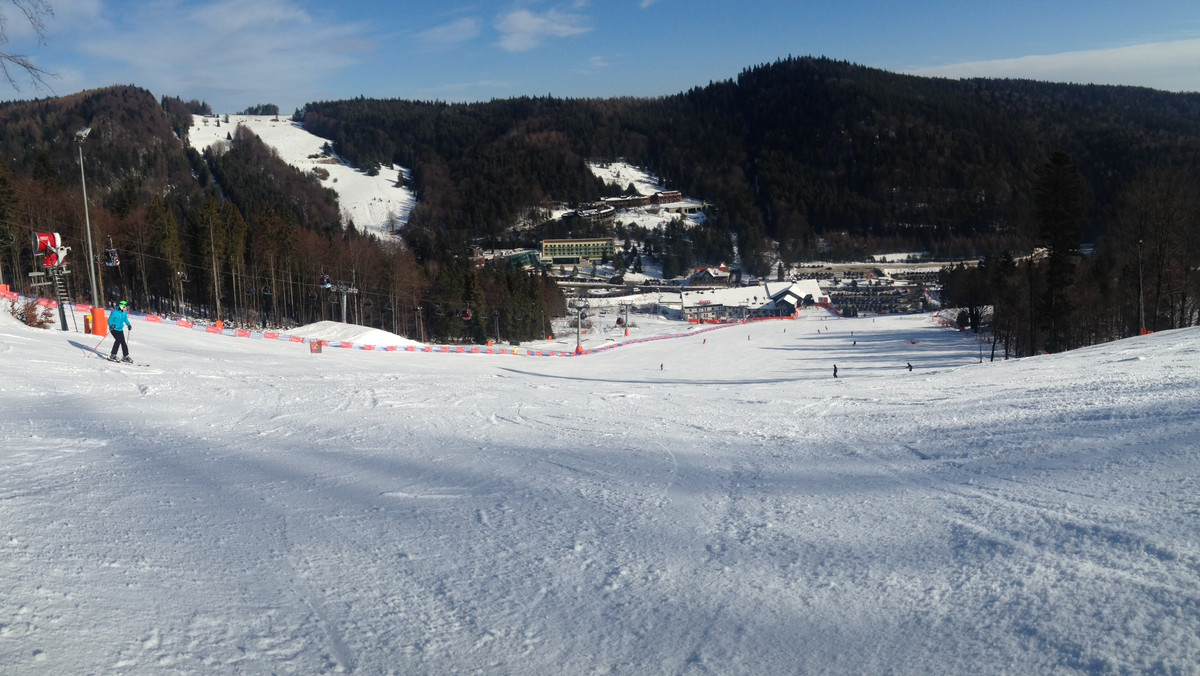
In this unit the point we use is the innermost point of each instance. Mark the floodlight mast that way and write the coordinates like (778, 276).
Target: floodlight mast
(79, 137)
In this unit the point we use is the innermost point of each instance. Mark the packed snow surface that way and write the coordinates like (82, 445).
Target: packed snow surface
(716, 503)
(352, 333)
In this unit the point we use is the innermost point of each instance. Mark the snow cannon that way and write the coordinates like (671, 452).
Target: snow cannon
(44, 241)
(50, 245)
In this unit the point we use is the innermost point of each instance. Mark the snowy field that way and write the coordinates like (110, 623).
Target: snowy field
(712, 504)
(372, 202)
(623, 174)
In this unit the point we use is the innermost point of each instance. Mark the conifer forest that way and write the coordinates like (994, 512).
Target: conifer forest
(1069, 213)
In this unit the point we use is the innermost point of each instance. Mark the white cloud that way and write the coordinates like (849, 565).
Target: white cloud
(451, 34)
(521, 30)
(235, 16)
(18, 29)
(593, 65)
(234, 52)
(1172, 66)
(646, 3)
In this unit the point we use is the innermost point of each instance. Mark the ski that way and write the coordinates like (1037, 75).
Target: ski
(128, 362)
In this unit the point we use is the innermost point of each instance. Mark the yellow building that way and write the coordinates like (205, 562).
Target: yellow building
(573, 251)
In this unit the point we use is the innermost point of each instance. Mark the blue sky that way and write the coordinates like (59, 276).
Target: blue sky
(236, 53)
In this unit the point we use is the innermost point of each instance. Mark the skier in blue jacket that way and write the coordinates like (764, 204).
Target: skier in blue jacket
(116, 325)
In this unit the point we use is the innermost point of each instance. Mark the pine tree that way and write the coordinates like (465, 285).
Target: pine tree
(236, 236)
(8, 210)
(1059, 200)
(210, 236)
(167, 252)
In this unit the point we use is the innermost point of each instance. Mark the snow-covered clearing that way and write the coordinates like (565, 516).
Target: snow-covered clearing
(623, 174)
(377, 203)
(246, 506)
(372, 202)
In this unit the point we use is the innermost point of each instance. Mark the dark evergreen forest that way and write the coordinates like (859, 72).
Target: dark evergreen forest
(788, 153)
(802, 159)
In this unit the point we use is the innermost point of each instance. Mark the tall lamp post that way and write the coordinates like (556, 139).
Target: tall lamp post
(1141, 296)
(98, 326)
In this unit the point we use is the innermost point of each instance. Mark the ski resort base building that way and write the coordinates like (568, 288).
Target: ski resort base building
(765, 301)
(575, 251)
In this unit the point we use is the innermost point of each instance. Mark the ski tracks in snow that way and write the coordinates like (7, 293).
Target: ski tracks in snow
(1026, 528)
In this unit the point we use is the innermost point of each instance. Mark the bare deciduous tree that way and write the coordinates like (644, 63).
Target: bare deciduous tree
(35, 12)
(1157, 213)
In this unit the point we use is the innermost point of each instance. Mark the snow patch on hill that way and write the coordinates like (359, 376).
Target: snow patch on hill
(623, 174)
(378, 204)
(337, 332)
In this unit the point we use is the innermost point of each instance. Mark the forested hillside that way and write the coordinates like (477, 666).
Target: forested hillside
(802, 159)
(789, 152)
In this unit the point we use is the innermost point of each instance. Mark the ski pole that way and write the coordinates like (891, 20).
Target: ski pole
(98, 344)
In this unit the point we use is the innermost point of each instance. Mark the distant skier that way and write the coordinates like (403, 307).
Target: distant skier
(116, 325)
(909, 366)
(835, 370)
(660, 367)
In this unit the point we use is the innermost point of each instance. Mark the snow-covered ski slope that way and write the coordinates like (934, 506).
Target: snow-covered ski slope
(377, 203)
(374, 203)
(246, 506)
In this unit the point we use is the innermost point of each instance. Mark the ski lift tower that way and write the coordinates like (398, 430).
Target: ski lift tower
(582, 308)
(344, 290)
